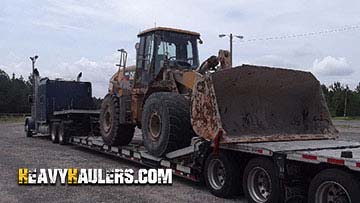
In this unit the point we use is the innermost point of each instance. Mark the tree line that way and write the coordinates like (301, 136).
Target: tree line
(341, 100)
(14, 93)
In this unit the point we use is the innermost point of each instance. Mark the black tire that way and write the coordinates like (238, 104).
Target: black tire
(334, 179)
(27, 129)
(63, 134)
(54, 134)
(95, 129)
(112, 132)
(261, 171)
(166, 123)
(222, 175)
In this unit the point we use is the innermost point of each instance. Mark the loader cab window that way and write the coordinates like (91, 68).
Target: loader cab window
(177, 50)
(149, 50)
(145, 59)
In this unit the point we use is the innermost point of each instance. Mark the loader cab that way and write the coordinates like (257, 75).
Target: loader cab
(164, 48)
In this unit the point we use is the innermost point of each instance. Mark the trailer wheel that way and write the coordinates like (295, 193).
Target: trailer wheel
(63, 134)
(260, 182)
(222, 175)
(54, 135)
(112, 132)
(334, 185)
(166, 123)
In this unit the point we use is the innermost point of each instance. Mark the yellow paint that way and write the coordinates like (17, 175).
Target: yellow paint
(23, 175)
(72, 175)
(189, 79)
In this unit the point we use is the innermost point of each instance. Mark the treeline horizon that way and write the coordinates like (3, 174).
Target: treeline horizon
(14, 94)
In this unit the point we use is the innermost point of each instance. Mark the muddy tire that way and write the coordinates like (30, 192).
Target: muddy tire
(54, 134)
(260, 182)
(222, 175)
(112, 132)
(166, 123)
(334, 185)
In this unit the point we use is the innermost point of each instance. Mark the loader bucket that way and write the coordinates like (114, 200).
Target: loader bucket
(255, 104)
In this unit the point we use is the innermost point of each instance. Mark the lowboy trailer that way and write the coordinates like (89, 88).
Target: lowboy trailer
(293, 171)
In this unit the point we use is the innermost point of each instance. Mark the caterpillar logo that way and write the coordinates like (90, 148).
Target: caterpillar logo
(74, 176)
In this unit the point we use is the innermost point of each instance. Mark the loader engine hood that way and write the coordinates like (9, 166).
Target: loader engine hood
(254, 104)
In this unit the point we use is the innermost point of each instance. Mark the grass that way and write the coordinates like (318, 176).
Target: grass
(11, 119)
(347, 118)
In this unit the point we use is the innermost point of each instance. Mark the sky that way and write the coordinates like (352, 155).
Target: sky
(82, 36)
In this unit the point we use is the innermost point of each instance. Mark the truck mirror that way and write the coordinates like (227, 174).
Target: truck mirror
(30, 99)
(137, 46)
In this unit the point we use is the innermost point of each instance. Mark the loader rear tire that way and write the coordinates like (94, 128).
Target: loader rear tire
(112, 132)
(166, 123)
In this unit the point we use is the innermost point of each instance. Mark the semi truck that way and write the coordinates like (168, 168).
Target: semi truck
(61, 108)
(259, 131)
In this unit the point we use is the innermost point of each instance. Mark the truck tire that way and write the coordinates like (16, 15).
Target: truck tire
(63, 134)
(27, 129)
(112, 132)
(166, 123)
(54, 134)
(260, 182)
(334, 185)
(222, 175)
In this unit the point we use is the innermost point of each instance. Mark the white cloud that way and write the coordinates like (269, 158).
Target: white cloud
(274, 61)
(96, 72)
(18, 68)
(331, 66)
(73, 36)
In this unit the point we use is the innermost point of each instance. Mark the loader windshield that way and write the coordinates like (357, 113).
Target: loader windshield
(177, 49)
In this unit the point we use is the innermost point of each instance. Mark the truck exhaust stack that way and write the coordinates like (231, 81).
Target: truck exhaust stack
(253, 103)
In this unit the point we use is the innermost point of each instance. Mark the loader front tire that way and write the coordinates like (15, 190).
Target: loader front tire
(112, 132)
(166, 123)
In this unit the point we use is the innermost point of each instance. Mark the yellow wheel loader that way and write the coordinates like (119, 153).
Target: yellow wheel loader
(172, 98)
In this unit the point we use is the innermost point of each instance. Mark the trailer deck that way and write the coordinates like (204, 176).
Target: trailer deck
(315, 152)
(135, 152)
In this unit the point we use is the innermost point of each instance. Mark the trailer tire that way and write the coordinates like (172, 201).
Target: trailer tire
(63, 134)
(261, 171)
(218, 165)
(346, 186)
(112, 132)
(166, 123)
(54, 135)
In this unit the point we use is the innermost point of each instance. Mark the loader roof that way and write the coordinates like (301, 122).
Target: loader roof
(170, 30)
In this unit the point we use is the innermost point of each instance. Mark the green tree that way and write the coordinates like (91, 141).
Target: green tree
(14, 93)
